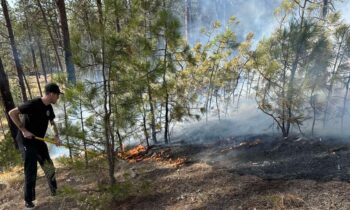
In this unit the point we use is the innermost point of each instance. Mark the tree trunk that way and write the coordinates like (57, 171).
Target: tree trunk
(209, 95)
(290, 91)
(166, 123)
(51, 36)
(83, 131)
(147, 34)
(107, 112)
(187, 20)
(153, 117)
(144, 121)
(7, 101)
(313, 106)
(66, 126)
(240, 94)
(290, 94)
(35, 65)
(117, 21)
(14, 50)
(42, 60)
(338, 61)
(325, 8)
(28, 86)
(344, 103)
(120, 140)
(111, 128)
(66, 41)
(217, 103)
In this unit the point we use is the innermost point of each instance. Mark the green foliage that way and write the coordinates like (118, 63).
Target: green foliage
(285, 7)
(68, 190)
(9, 156)
(107, 195)
(147, 64)
(295, 63)
(77, 164)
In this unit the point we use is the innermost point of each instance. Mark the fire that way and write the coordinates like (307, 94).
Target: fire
(140, 152)
(133, 153)
(136, 150)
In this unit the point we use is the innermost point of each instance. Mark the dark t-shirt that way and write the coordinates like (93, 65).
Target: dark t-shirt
(36, 117)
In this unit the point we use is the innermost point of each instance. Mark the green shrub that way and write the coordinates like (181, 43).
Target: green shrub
(9, 155)
(76, 163)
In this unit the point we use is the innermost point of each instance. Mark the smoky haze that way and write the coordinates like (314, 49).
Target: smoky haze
(247, 120)
(255, 16)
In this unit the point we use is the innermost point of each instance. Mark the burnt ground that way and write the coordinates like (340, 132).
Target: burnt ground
(250, 172)
(319, 159)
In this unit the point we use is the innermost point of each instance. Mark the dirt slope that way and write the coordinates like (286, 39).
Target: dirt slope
(258, 172)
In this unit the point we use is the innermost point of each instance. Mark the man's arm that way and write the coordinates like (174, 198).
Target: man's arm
(55, 131)
(14, 115)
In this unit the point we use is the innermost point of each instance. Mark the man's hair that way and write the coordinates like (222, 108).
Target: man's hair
(52, 88)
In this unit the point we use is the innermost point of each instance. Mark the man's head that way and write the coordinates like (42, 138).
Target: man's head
(52, 92)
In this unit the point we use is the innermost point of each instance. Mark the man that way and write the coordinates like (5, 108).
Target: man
(36, 115)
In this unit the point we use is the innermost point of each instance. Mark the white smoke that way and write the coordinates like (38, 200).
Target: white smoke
(247, 120)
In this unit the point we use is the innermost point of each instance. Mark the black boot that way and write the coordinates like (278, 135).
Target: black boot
(29, 205)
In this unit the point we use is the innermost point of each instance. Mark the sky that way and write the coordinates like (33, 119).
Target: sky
(344, 9)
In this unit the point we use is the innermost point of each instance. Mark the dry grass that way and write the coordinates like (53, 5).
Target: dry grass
(280, 201)
(154, 183)
(12, 178)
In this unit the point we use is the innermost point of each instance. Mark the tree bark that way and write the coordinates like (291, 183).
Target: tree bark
(66, 126)
(144, 121)
(338, 60)
(7, 101)
(51, 36)
(107, 112)
(31, 47)
(345, 102)
(42, 59)
(14, 50)
(153, 117)
(120, 140)
(83, 131)
(290, 92)
(187, 20)
(66, 41)
(166, 123)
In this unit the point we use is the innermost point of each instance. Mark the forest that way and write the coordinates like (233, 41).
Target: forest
(134, 71)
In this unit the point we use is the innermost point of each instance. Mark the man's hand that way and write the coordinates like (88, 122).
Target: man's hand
(27, 134)
(57, 140)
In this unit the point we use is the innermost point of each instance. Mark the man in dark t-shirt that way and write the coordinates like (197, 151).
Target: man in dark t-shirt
(37, 113)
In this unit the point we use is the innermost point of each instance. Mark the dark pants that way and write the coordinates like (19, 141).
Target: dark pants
(33, 153)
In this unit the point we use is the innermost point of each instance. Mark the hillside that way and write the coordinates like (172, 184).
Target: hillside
(257, 172)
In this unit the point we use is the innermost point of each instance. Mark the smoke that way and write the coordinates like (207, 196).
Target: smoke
(247, 120)
(254, 16)
(335, 112)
